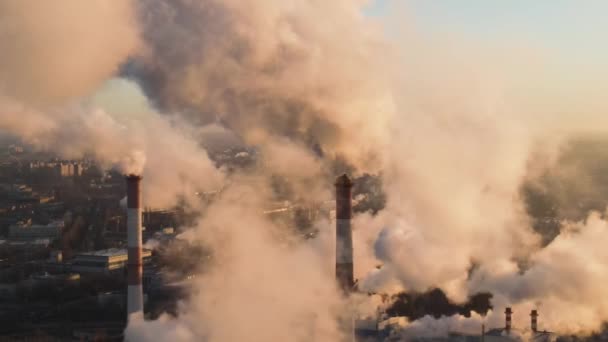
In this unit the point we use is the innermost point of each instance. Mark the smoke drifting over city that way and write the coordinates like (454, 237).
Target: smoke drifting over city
(456, 131)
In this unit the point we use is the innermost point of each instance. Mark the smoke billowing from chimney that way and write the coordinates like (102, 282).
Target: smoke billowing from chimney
(289, 79)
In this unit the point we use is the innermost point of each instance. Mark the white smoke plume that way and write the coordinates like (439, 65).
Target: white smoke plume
(265, 70)
(261, 288)
(563, 277)
(53, 54)
(431, 327)
(55, 51)
(173, 163)
(464, 149)
(55, 95)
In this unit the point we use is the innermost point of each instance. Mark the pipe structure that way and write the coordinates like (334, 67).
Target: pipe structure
(135, 300)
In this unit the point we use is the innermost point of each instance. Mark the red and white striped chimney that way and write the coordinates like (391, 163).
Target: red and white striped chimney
(534, 320)
(508, 313)
(344, 251)
(344, 239)
(135, 300)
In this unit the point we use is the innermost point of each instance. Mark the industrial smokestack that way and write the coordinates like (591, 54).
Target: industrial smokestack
(135, 300)
(344, 239)
(344, 250)
(508, 314)
(534, 320)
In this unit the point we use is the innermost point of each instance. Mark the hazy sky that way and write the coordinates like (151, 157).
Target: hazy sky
(577, 30)
(571, 35)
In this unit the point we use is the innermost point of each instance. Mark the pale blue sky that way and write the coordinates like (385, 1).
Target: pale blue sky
(578, 29)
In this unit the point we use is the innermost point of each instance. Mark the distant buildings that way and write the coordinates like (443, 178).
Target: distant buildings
(28, 231)
(61, 168)
(44, 278)
(108, 261)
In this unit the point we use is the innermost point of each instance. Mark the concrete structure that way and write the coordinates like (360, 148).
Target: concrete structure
(8, 290)
(29, 231)
(56, 256)
(45, 278)
(107, 261)
(491, 336)
(344, 239)
(135, 300)
(60, 168)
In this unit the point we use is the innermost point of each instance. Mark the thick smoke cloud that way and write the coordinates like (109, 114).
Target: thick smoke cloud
(464, 149)
(263, 285)
(55, 51)
(464, 141)
(163, 150)
(57, 58)
(53, 54)
(280, 68)
(563, 277)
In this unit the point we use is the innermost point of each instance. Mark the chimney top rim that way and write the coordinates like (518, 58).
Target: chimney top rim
(344, 181)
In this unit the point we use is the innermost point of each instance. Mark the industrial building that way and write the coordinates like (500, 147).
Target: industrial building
(391, 329)
(60, 168)
(108, 261)
(28, 231)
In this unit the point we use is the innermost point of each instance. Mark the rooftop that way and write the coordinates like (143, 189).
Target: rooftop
(112, 252)
(106, 252)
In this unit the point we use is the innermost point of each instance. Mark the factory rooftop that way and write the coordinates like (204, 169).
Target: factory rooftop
(104, 261)
(106, 252)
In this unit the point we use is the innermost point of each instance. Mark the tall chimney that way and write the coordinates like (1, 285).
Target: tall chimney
(344, 239)
(344, 251)
(534, 320)
(135, 300)
(508, 313)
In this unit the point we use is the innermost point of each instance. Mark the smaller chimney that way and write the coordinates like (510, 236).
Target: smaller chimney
(508, 314)
(534, 320)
